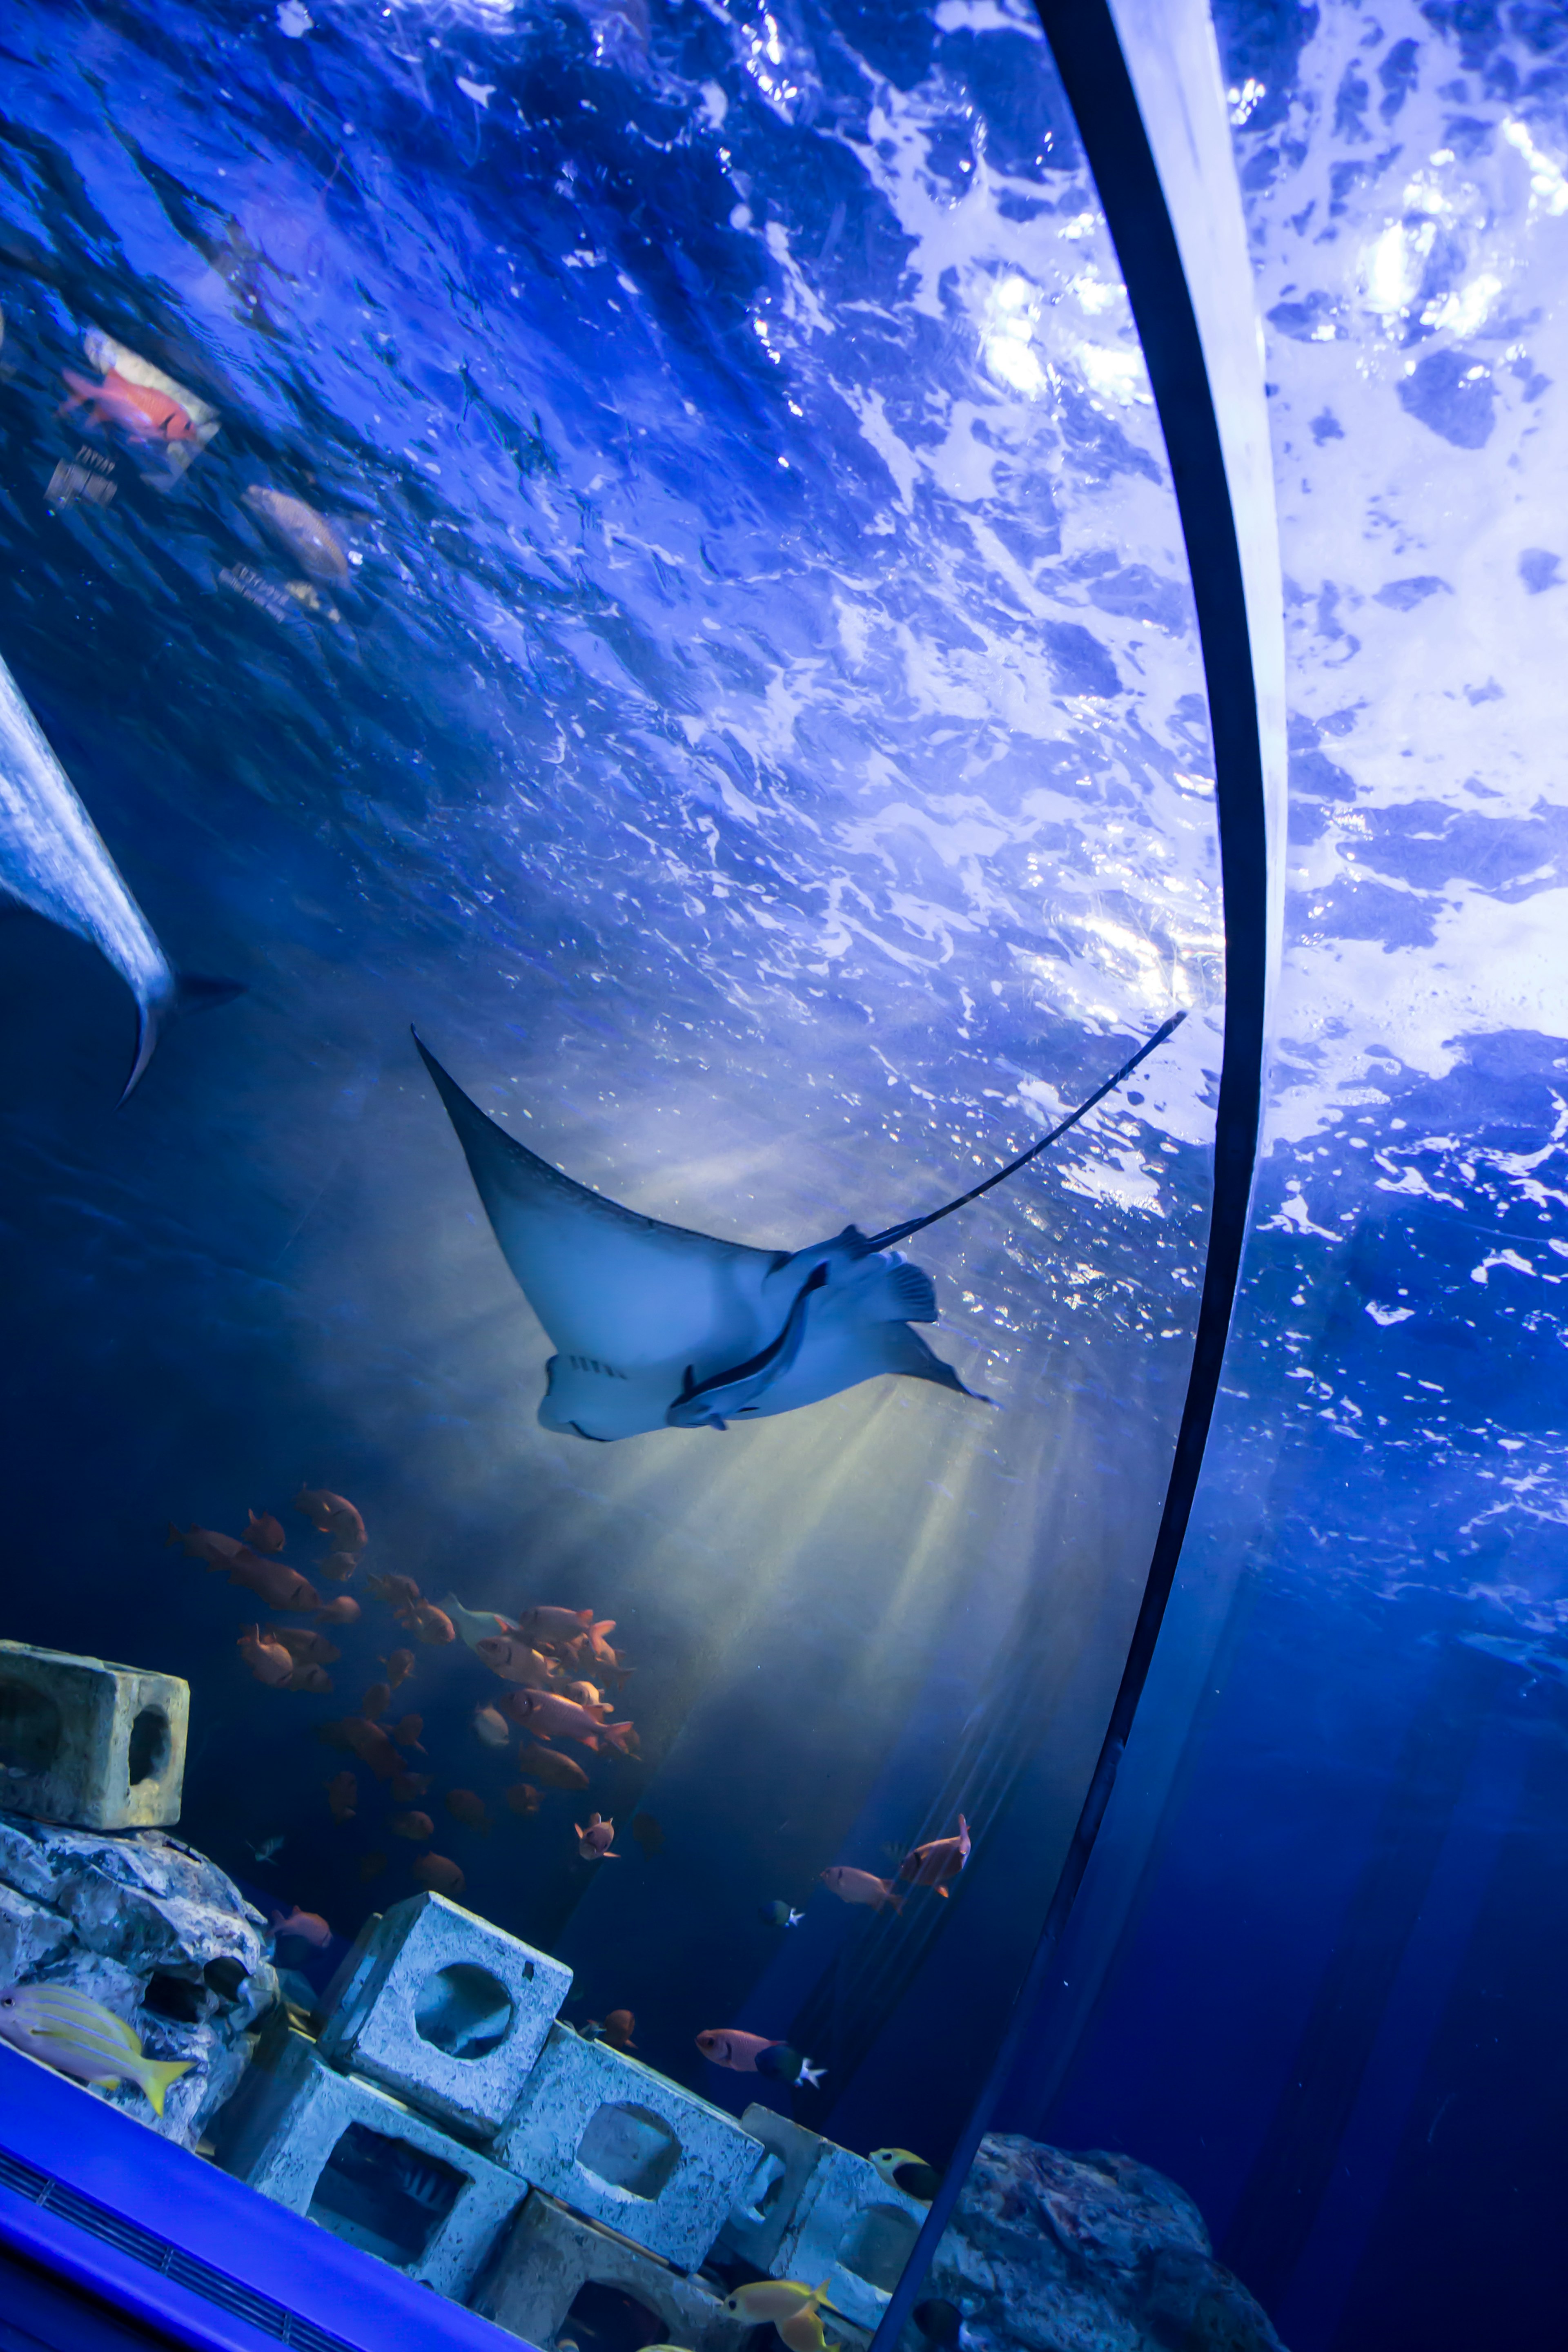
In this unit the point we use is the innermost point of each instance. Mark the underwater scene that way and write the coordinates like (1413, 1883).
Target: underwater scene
(622, 1015)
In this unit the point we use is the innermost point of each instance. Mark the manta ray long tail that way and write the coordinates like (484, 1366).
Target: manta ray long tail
(896, 1234)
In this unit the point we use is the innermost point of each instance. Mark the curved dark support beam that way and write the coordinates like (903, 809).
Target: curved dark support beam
(1094, 74)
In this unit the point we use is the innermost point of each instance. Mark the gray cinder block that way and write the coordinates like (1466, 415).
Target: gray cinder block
(445, 2010)
(548, 2257)
(364, 2166)
(627, 2147)
(828, 2215)
(89, 1744)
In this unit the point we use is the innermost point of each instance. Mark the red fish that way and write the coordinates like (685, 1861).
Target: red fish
(555, 1771)
(406, 1731)
(305, 1646)
(407, 1788)
(342, 1796)
(338, 1565)
(268, 1661)
(549, 1716)
(366, 1740)
(464, 1806)
(757, 2054)
(135, 409)
(375, 1702)
(567, 1629)
(417, 1826)
(618, 2027)
(306, 1924)
(515, 1662)
(938, 1862)
(585, 1694)
(344, 1610)
(442, 1876)
(331, 1515)
(399, 1666)
(860, 1886)
(263, 1532)
(214, 1551)
(595, 1841)
(432, 1624)
(312, 1678)
(524, 1798)
(269, 1579)
(399, 1592)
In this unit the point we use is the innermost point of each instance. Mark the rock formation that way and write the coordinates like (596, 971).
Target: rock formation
(1050, 2252)
(153, 1930)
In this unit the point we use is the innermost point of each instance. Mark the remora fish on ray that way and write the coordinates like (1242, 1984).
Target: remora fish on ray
(53, 860)
(659, 1328)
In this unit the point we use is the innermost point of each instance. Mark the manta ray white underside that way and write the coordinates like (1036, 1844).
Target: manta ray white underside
(657, 1328)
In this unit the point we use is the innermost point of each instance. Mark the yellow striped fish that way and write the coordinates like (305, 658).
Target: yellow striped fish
(78, 2036)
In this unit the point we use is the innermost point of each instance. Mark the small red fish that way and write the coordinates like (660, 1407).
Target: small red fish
(567, 1629)
(135, 409)
(267, 1659)
(309, 1925)
(412, 1825)
(524, 1798)
(399, 1666)
(549, 1716)
(938, 1862)
(366, 1740)
(515, 1662)
(344, 1610)
(312, 1678)
(399, 1592)
(432, 1624)
(442, 1876)
(331, 1515)
(860, 1886)
(269, 1579)
(464, 1806)
(305, 1646)
(595, 1844)
(406, 1731)
(342, 1796)
(338, 1565)
(375, 1702)
(263, 1532)
(556, 1771)
(585, 1694)
(757, 2054)
(407, 1788)
(217, 1552)
(618, 2026)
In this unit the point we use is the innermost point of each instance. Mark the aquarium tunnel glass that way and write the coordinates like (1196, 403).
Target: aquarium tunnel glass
(644, 639)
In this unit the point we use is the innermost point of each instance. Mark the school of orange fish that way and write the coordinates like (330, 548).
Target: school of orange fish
(541, 1657)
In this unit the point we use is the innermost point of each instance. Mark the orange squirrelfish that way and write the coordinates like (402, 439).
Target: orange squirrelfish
(417, 1826)
(938, 1862)
(594, 1843)
(567, 1628)
(399, 1666)
(432, 1624)
(309, 1924)
(441, 1876)
(338, 1565)
(263, 1532)
(305, 1646)
(333, 1516)
(267, 1659)
(757, 2054)
(860, 1886)
(524, 1798)
(547, 1716)
(556, 1771)
(514, 1661)
(344, 1610)
(136, 408)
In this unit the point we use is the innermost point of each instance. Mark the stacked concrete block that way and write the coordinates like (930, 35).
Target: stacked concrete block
(363, 2165)
(628, 2148)
(445, 2011)
(89, 1745)
(825, 2214)
(548, 2257)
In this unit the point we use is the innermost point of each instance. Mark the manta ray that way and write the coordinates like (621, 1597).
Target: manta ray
(659, 1328)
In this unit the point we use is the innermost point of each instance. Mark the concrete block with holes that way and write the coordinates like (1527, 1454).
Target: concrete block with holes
(89, 1744)
(823, 2212)
(550, 2259)
(446, 2010)
(628, 2148)
(363, 2165)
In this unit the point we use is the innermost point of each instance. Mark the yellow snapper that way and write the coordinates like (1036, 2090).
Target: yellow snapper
(775, 2299)
(76, 2034)
(803, 2331)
